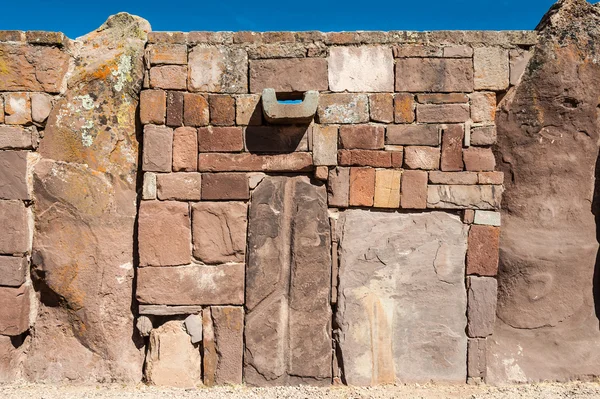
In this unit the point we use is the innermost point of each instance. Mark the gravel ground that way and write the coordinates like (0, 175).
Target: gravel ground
(114, 391)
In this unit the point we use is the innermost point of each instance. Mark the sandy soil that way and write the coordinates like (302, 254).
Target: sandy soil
(541, 391)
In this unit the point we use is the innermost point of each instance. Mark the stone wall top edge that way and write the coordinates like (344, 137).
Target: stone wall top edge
(39, 37)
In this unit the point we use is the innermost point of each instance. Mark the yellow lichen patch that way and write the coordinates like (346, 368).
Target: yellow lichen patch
(4, 70)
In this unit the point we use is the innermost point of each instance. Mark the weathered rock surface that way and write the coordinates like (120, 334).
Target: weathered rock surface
(548, 144)
(85, 207)
(288, 319)
(402, 301)
(172, 359)
(223, 345)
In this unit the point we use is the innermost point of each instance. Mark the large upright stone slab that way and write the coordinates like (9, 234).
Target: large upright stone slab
(402, 300)
(288, 319)
(85, 212)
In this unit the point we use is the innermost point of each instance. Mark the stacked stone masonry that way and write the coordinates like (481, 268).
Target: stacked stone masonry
(252, 221)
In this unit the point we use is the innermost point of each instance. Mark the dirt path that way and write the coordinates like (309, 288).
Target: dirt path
(114, 391)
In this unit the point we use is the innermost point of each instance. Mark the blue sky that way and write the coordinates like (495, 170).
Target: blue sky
(75, 18)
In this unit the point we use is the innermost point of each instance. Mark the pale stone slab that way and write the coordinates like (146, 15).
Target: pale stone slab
(325, 145)
(487, 218)
(402, 300)
(491, 68)
(462, 197)
(361, 69)
(218, 69)
(482, 295)
(387, 188)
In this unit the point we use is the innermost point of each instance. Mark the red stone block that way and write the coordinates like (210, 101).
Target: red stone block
(222, 110)
(483, 250)
(153, 107)
(413, 189)
(225, 186)
(220, 139)
(185, 149)
(195, 110)
(362, 186)
(479, 159)
(376, 159)
(452, 141)
(175, 108)
(365, 137)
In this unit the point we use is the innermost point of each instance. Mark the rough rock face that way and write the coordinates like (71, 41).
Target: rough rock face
(548, 149)
(288, 319)
(85, 208)
(402, 302)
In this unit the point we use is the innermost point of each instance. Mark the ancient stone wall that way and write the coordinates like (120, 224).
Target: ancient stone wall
(169, 220)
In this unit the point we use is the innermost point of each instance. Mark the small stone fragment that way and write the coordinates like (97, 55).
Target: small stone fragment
(41, 105)
(149, 186)
(144, 326)
(488, 218)
(193, 326)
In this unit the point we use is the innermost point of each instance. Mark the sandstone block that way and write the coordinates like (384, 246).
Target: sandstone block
(288, 316)
(175, 108)
(491, 178)
(158, 149)
(418, 157)
(458, 52)
(434, 75)
(225, 186)
(362, 186)
(443, 113)
(222, 110)
(482, 293)
(223, 345)
(41, 105)
(277, 138)
(365, 137)
(413, 193)
(518, 62)
(14, 312)
(483, 107)
(483, 135)
(153, 107)
(218, 69)
(479, 159)
(294, 162)
(381, 107)
(321, 173)
(197, 285)
(397, 153)
(482, 255)
(179, 186)
(170, 77)
(476, 358)
(219, 231)
(387, 188)
(167, 53)
(404, 108)
(491, 68)
(17, 107)
(443, 98)
(343, 108)
(463, 197)
(149, 186)
(13, 270)
(468, 216)
(488, 218)
(325, 141)
(172, 359)
(413, 135)
(376, 159)
(13, 175)
(248, 110)
(164, 233)
(15, 228)
(458, 178)
(452, 142)
(17, 137)
(195, 110)
(426, 343)
(185, 153)
(220, 139)
(417, 50)
(360, 69)
(338, 187)
(288, 75)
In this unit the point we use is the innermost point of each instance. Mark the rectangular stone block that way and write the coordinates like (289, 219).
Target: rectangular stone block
(387, 188)
(149, 186)
(164, 234)
(417, 50)
(41, 105)
(425, 158)
(185, 149)
(376, 159)
(491, 178)
(443, 98)
(222, 110)
(218, 69)
(362, 186)
(364, 137)
(438, 177)
(277, 138)
(170, 77)
(175, 108)
(413, 193)
(338, 187)
(343, 108)
(219, 231)
(14, 312)
(153, 105)
(13, 270)
(17, 137)
(476, 358)
(482, 255)
(452, 142)
(15, 228)
(225, 186)
(487, 218)
(223, 344)
(492, 70)
(325, 141)
(440, 75)
(458, 52)
(157, 149)
(195, 285)
(482, 294)
(17, 108)
(289, 75)
(13, 175)
(413, 135)
(483, 135)
(479, 159)
(167, 53)
(182, 186)
(248, 109)
(361, 69)
(483, 107)
(404, 108)
(220, 139)
(464, 197)
(442, 113)
(195, 110)
(294, 162)
(381, 107)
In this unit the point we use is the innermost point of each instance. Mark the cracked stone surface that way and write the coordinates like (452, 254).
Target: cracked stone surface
(547, 326)
(402, 301)
(288, 316)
